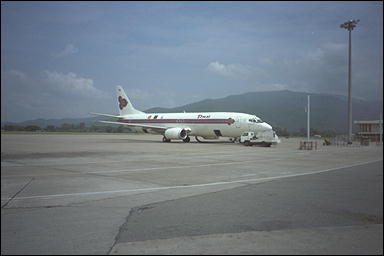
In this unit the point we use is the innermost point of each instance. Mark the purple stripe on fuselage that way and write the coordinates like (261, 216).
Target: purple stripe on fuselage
(162, 121)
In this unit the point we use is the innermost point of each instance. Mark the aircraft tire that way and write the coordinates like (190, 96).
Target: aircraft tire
(166, 140)
(198, 139)
(187, 139)
(266, 144)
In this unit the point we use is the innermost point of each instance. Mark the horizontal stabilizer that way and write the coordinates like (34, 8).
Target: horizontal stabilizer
(106, 115)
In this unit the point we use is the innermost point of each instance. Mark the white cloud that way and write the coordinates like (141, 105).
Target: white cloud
(236, 71)
(20, 75)
(144, 99)
(278, 86)
(315, 70)
(71, 84)
(50, 94)
(335, 47)
(69, 49)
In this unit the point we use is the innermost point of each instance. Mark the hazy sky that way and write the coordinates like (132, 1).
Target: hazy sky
(64, 59)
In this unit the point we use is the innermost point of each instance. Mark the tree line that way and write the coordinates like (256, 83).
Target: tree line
(81, 127)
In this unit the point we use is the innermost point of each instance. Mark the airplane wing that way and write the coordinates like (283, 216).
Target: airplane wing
(155, 128)
(137, 125)
(158, 129)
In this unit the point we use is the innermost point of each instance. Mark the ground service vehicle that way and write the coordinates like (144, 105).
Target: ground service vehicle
(264, 138)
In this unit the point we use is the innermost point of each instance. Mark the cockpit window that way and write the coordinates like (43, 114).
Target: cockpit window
(255, 120)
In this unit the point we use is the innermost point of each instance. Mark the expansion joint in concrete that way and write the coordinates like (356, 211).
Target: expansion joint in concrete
(18, 192)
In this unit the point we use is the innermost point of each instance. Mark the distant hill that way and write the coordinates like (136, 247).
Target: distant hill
(286, 109)
(88, 121)
(283, 109)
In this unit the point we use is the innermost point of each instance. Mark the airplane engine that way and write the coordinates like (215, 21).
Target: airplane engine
(176, 133)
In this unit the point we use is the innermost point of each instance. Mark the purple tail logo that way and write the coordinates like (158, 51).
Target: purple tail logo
(122, 102)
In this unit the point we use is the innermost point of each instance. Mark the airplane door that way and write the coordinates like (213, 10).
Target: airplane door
(249, 126)
(237, 122)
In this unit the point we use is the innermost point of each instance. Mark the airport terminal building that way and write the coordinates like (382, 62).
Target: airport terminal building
(370, 129)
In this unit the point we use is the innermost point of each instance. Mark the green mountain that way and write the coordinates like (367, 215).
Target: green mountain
(286, 109)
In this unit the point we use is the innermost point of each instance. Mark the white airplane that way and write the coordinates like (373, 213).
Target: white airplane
(180, 126)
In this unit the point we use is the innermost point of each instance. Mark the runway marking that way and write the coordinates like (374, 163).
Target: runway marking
(186, 155)
(191, 186)
(21, 164)
(149, 168)
(177, 167)
(204, 155)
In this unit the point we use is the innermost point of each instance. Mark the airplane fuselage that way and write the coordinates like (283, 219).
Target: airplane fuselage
(205, 124)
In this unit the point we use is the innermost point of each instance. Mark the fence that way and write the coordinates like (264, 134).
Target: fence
(308, 145)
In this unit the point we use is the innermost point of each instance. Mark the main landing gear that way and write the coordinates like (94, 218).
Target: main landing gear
(166, 140)
(187, 139)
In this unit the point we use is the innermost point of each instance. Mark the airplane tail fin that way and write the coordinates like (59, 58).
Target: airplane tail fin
(124, 104)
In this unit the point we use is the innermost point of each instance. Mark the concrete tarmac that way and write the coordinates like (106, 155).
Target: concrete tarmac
(72, 194)
(344, 206)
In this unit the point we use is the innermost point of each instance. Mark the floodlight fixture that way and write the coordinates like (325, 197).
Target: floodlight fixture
(349, 25)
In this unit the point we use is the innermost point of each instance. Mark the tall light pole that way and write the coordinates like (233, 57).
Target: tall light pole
(308, 115)
(349, 25)
(381, 128)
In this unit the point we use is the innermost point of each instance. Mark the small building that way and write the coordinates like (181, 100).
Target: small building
(370, 129)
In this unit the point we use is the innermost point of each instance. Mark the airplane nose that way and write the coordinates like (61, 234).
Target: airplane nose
(266, 126)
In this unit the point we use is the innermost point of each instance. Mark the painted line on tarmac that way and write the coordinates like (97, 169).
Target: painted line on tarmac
(176, 167)
(191, 186)
(146, 169)
(186, 155)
